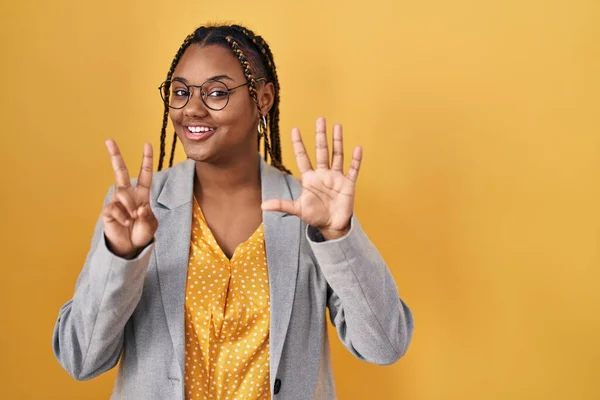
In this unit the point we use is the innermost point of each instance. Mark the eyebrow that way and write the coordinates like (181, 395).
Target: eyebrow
(214, 78)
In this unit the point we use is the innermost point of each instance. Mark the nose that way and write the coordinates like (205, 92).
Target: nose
(195, 106)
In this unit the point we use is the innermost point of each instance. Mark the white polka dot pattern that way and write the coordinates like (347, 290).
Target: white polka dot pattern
(226, 318)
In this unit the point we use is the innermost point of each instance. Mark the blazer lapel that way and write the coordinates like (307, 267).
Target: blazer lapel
(282, 242)
(174, 211)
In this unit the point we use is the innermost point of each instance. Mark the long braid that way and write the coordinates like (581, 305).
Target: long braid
(274, 120)
(246, 67)
(273, 143)
(166, 93)
(250, 78)
(173, 149)
(163, 134)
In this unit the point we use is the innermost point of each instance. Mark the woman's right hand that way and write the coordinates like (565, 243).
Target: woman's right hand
(129, 223)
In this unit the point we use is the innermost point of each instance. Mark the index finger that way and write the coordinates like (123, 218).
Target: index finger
(301, 157)
(145, 175)
(121, 172)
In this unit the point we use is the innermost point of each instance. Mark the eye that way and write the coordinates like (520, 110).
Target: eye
(217, 93)
(179, 92)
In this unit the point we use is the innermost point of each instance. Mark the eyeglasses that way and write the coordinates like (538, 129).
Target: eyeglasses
(214, 93)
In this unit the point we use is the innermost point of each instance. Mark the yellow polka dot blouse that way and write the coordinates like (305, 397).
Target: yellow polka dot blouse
(226, 317)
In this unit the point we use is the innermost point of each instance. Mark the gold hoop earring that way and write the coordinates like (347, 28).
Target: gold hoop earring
(262, 126)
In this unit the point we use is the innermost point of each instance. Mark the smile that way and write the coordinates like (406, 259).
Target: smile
(198, 132)
(198, 129)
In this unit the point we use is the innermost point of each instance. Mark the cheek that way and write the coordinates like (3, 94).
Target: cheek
(247, 113)
(237, 117)
(175, 115)
(230, 116)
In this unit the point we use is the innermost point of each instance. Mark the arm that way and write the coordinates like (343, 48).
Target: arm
(88, 334)
(363, 299)
(371, 320)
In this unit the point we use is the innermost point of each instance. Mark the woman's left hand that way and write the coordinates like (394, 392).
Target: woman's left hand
(327, 198)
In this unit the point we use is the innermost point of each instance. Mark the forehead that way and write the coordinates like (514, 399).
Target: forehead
(199, 63)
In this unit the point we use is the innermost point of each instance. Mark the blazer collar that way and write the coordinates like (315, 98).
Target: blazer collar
(179, 184)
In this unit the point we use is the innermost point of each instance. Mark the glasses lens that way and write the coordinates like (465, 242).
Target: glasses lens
(179, 94)
(215, 95)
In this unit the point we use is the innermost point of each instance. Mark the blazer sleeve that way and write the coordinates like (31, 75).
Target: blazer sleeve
(371, 319)
(88, 334)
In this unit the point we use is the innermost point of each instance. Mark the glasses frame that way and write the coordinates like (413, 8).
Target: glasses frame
(203, 95)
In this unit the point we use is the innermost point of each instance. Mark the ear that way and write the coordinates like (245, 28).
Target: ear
(266, 97)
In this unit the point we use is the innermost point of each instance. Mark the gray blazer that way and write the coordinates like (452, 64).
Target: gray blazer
(133, 311)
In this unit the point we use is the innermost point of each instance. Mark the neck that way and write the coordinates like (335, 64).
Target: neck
(242, 173)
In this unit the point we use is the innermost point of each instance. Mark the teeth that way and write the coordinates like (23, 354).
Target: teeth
(198, 129)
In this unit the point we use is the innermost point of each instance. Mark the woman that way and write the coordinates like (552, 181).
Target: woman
(210, 279)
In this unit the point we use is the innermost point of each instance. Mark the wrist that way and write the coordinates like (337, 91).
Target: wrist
(126, 254)
(332, 234)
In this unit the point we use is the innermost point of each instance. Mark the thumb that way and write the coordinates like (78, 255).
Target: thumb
(284, 206)
(145, 213)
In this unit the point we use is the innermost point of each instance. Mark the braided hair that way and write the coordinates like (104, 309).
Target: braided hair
(256, 60)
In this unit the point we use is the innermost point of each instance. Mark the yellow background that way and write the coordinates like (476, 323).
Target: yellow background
(480, 182)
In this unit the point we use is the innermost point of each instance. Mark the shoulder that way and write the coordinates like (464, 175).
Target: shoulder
(180, 178)
(174, 185)
(161, 177)
(294, 184)
(277, 182)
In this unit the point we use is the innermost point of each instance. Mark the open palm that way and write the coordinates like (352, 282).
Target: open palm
(327, 198)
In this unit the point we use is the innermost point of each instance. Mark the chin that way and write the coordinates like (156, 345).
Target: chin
(199, 155)
(197, 151)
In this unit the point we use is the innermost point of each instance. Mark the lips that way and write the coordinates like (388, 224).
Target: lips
(198, 132)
